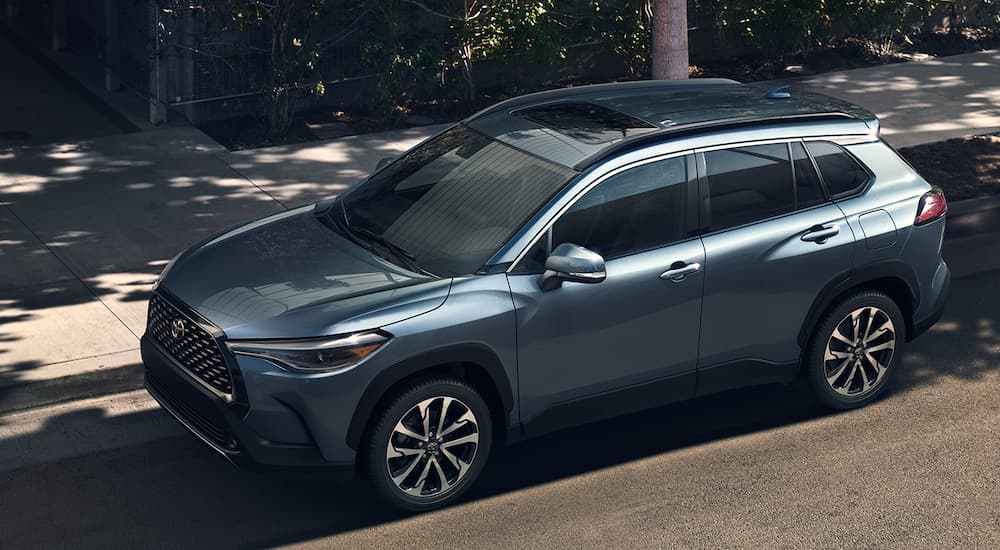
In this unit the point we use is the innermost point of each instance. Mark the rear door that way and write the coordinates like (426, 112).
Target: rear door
(773, 240)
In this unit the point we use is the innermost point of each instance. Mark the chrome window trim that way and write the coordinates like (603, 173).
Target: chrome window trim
(857, 191)
(596, 175)
(713, 232)
(828, 199)
(843, 140)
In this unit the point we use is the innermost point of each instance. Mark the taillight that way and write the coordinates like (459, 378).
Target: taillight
(932, 206)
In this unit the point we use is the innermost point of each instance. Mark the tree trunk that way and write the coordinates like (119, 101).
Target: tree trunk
(465, 59)
(670, 39)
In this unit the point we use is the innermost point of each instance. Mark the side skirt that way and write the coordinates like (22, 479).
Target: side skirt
(743, 373)
(585, 410)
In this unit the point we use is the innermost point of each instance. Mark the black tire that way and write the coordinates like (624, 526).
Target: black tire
(847, 391)
(401, 410)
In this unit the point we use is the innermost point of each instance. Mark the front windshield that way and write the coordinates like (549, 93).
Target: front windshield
(450, 203)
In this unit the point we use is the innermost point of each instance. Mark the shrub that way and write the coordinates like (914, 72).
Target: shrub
(883, 25)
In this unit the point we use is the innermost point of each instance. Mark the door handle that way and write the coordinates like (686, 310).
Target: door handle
(680, 270)
(821, 233)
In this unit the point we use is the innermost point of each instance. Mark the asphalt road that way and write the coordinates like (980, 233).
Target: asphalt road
(751, 468)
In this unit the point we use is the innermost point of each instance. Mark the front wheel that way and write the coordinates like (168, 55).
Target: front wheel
(855, 350)
(429, 445)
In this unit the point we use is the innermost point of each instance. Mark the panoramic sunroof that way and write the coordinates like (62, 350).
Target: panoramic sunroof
(586, 122)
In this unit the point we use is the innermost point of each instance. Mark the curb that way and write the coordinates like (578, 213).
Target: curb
(98, 382)
(974, 216)
(82, 427)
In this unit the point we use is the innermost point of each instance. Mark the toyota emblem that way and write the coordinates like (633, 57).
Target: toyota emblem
(177, 328)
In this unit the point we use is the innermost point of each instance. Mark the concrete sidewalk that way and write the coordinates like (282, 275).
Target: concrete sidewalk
(923, 101)
(86, 225)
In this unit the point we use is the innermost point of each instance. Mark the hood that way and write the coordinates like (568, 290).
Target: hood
(290, 276)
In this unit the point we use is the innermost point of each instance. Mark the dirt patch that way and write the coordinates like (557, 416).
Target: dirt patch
(958, 40)
(246, 132)
(963, 167)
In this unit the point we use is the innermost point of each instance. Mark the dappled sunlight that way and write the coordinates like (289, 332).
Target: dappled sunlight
(67, 238)
(91, 225)
(126, 293)
(964, 344)
(300, 174)
(52, 323)
(18, 184)
(929, 100)
(87, 227)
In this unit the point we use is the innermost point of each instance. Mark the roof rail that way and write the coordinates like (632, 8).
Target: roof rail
(680, 130)
(579, 92)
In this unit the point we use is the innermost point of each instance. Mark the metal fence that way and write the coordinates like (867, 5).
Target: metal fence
(205, 56)
(179, 52)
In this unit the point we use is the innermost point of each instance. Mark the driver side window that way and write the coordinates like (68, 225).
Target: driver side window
(639, 209)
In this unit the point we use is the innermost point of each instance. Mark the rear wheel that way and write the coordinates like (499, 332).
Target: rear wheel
(429, 445)
(855, 350)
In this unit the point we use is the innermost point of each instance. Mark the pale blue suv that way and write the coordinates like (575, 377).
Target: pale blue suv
(556, 259)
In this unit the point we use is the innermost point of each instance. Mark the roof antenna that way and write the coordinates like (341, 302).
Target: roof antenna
(781, 92)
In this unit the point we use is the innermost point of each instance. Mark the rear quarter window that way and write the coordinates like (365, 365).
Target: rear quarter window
(841, 173)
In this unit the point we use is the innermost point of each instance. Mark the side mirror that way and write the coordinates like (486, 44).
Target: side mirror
(383, 163)
(574, 263)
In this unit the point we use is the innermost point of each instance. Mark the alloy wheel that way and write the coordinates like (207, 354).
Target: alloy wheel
(432, 447)
(859, 351)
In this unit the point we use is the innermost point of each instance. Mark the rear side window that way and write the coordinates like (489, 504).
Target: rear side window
(746, 184)
(841, 173)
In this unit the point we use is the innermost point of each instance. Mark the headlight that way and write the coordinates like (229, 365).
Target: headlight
(314, 354)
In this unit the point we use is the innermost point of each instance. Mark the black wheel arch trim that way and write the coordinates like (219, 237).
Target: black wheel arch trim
(858, 277)
(383, 382)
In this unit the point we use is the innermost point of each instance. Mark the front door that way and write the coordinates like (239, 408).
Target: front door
(586, 351)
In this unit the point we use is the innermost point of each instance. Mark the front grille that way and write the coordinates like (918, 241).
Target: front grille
(189, 344)
(205, 427)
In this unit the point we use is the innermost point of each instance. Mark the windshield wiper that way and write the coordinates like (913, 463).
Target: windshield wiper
(409, 260)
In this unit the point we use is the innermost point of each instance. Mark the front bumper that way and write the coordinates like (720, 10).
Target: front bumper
(220, 424)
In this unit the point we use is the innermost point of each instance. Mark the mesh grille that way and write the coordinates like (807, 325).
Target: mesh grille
(192, 347)
(204, 426)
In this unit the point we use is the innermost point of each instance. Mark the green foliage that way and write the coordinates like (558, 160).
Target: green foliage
(293, 36)
(779, 27)
(626, 25)
(431, 48)
(406, 59)
(518, 28)
(883, 25)
(984, 12)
